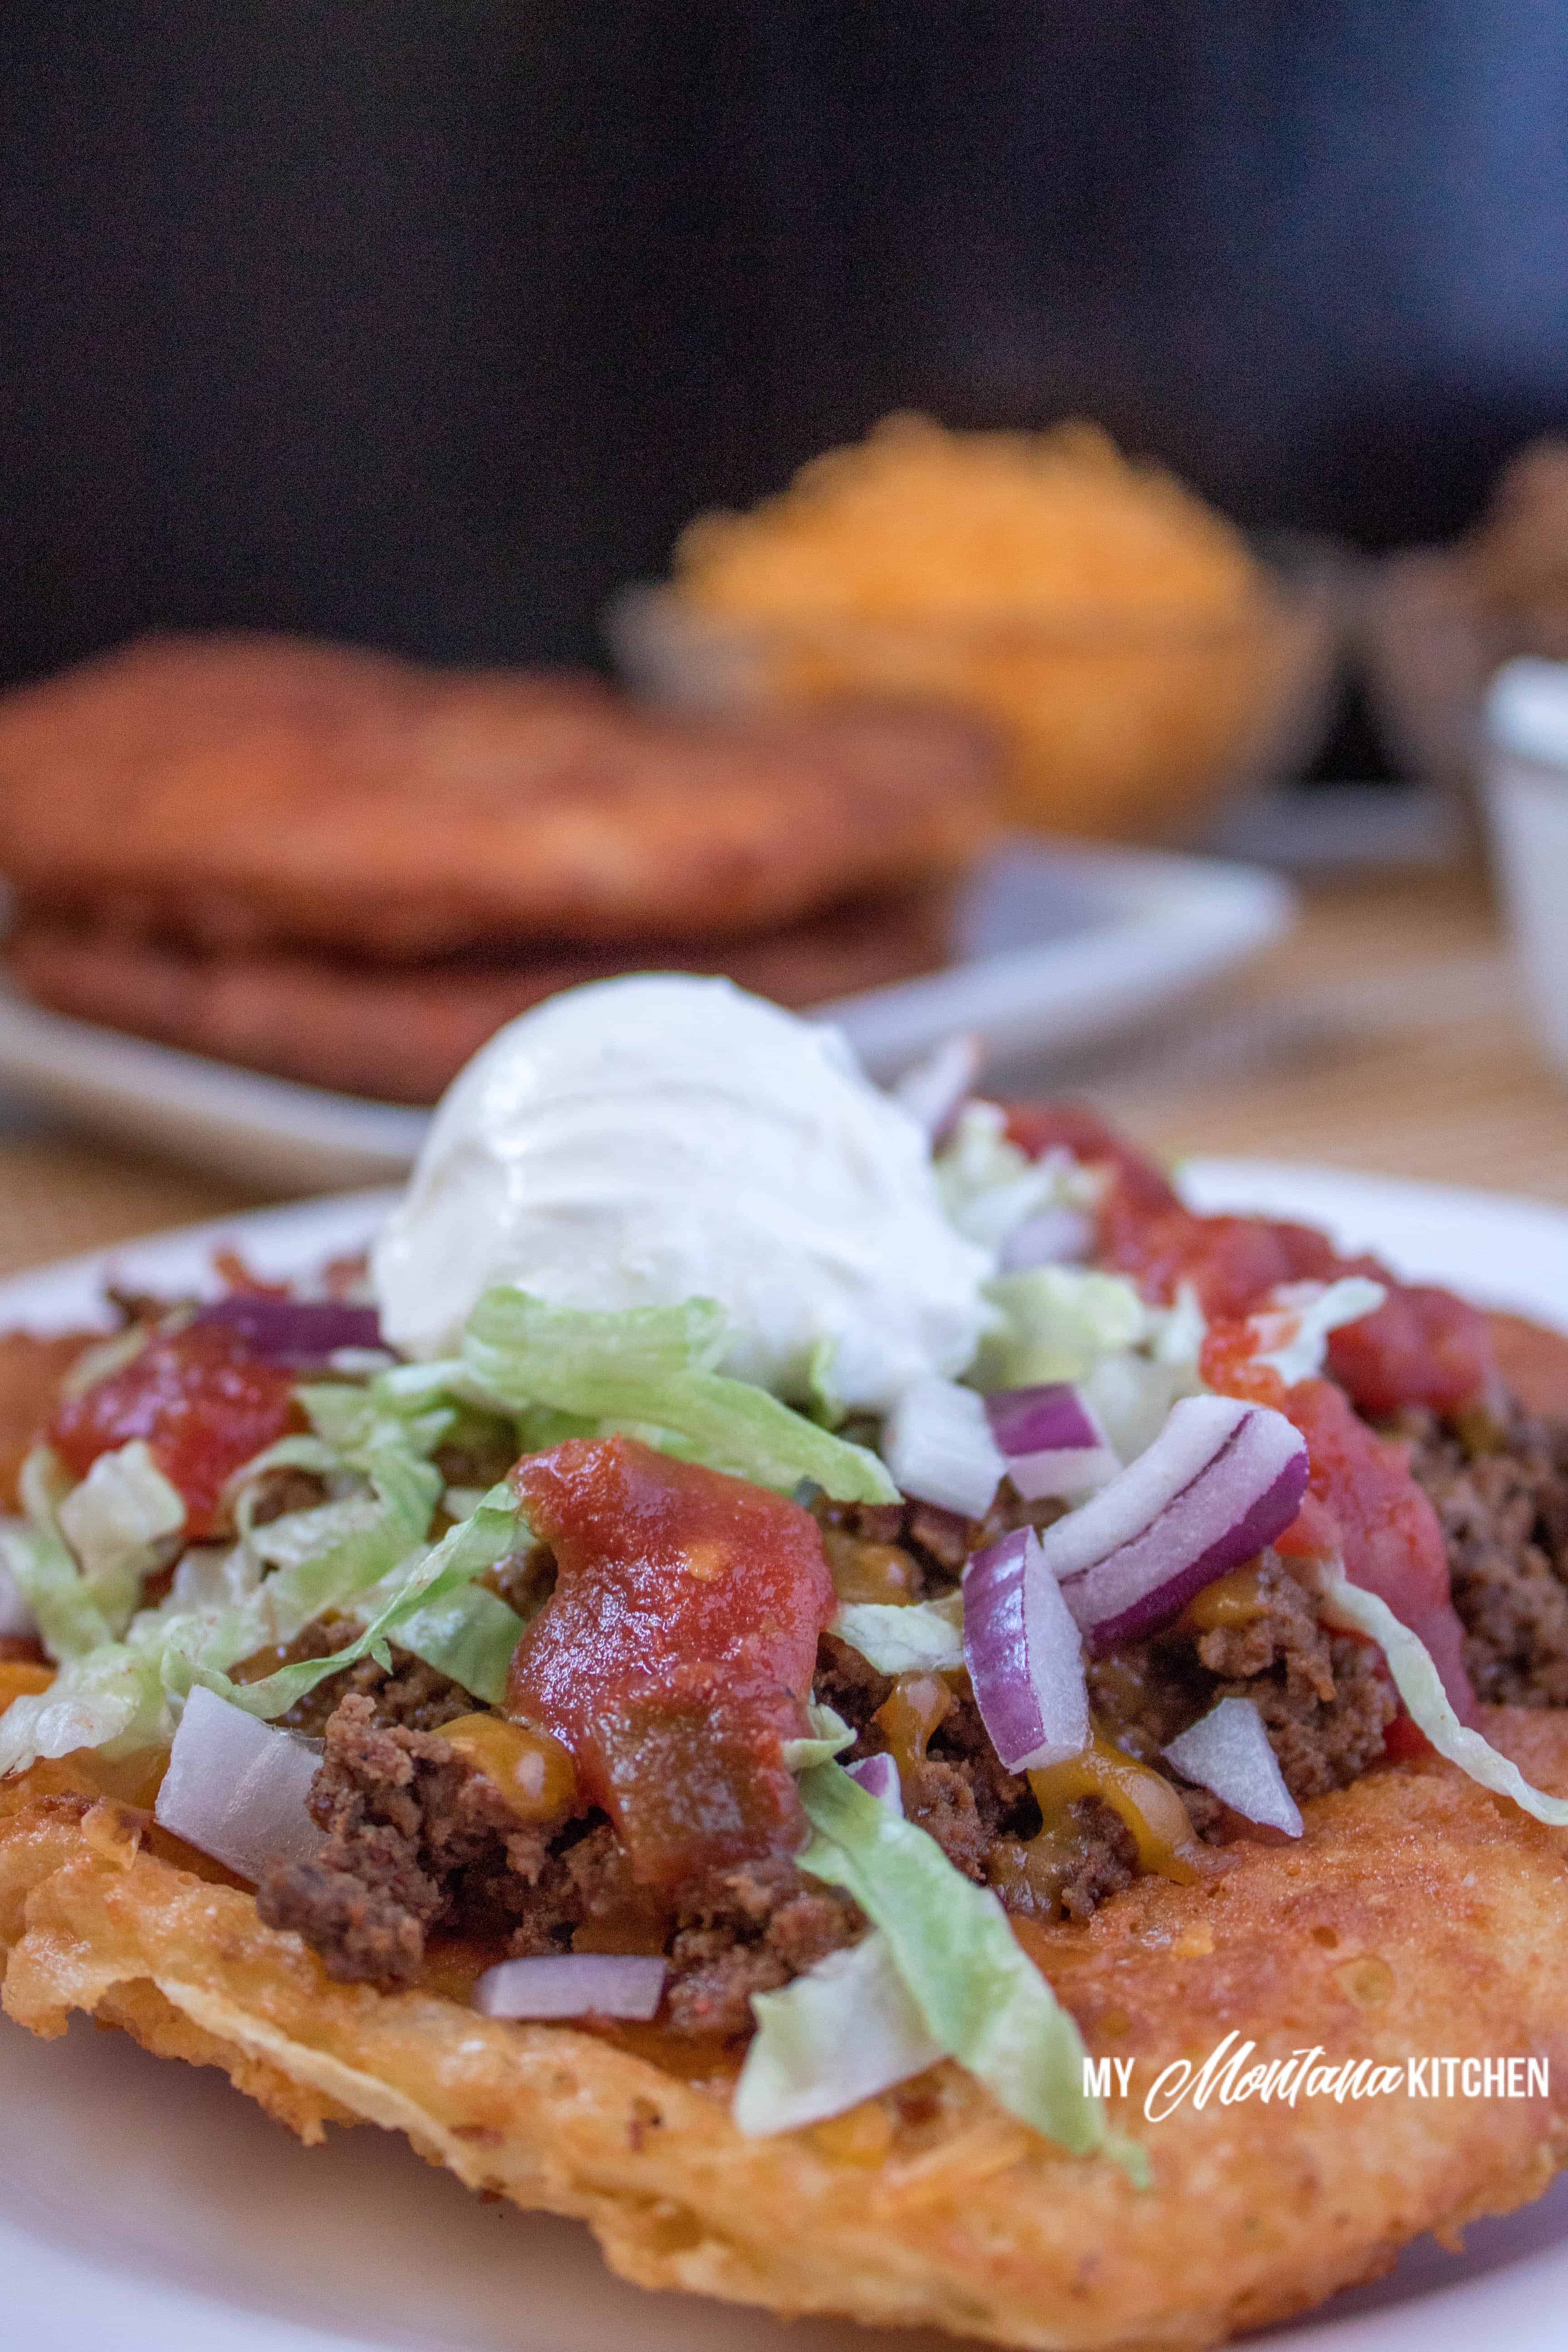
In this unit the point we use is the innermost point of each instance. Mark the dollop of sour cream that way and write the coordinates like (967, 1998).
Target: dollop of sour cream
(636, 1142)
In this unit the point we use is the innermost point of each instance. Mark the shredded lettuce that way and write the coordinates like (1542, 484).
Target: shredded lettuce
(353, 1420)
(828, 1735)
(989, 1187)
(919, 1637)
(426, 1579)
(356, 1542)
(844, 2031)
(70, 1620)
(1055, 1322)
(653, 1367)
(116, 1521)
(1132, 1394)
(983, 2000)
(470, 1636)
(110, 1699)
(824, 1405)
(125, 1695)
(1420, 1685)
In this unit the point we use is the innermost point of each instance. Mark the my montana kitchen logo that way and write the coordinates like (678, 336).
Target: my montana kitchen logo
(1232, 2073)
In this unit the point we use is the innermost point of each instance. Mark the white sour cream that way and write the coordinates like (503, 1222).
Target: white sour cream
(640, 1141)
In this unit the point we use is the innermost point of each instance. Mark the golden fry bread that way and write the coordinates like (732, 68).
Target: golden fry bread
(403, 1031)
(241, 792)
(1418, 1917)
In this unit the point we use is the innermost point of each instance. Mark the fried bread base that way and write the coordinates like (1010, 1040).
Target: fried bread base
(1416, 1916)
(402, 1032)
(240, 792)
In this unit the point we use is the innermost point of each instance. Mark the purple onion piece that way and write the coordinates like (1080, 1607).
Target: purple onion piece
(878, 1776)
(1054, 1238)
(292, 1331)
(574, 1984)
(1229, 1752)
(1024, 1656)
(1052, 1441)
(1220, 1481)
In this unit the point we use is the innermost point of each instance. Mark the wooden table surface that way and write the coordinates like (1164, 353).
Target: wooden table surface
(1384, 1034)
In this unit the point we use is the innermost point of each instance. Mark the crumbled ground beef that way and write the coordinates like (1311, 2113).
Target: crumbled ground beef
(1325, 1743)
(480, 1451)
(1070, 1871)
(412, 1695)
(415, 1838)
(1501, 1497)
(1325, 1697)
(417, 1841)
(754, 1930)
(935, 1542)
(285, 1489)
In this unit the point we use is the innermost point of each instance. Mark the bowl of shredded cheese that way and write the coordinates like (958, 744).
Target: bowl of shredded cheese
(1139, 661)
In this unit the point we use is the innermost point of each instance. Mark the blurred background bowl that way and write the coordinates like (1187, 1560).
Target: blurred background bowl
(1112, 728)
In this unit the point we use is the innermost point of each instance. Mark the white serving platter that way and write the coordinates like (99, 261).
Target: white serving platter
(144, 2206)
(1059, 945)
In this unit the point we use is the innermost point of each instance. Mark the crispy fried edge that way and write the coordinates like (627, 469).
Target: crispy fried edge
(962, 2218)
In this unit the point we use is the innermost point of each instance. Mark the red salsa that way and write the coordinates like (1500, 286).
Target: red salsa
(676, 1653)
(203, 1403)
(1422, 1346)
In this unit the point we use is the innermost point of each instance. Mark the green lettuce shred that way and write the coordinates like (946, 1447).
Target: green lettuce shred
(353, 1420)
(70, 1620)
(1055, 1323)
(652, 1366)
(425, 1580)
(840, 2032)
(365, 1554)
(470, 1636)
(117, 1521)
(827, 1735)
(920, 1637)
(1420, 1685)
(983, 2001)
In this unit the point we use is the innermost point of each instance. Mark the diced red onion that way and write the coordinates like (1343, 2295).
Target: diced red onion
(237, 1787)
(1053, 1444)
(1024, 1656)
(574, 1984)
(1230, 1753)
(935, 1090)
(878, 1776)
(1219, 1483)
(292, 1331)
(938, 1444)
(1058, 1236)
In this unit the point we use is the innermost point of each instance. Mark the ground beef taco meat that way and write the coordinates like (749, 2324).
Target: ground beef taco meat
(677, 1622)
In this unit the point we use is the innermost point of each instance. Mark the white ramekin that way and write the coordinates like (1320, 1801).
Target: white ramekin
(1527, 800)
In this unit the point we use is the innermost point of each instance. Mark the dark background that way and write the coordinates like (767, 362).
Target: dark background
(428, 325)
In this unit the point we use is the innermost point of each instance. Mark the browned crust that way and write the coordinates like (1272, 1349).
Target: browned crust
(942, 2210)
(242, 792)
(401, 1033)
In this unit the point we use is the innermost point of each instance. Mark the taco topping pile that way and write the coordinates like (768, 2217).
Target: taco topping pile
(751, 1551)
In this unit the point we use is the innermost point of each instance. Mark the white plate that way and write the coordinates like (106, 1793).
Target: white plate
(145, 2207)
(1056, 947)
